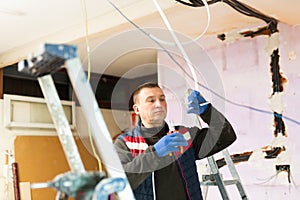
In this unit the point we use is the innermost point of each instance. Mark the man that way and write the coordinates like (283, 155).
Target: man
(160, 164)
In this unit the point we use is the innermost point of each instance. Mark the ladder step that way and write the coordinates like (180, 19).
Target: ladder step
(226, 182)
(216, 178)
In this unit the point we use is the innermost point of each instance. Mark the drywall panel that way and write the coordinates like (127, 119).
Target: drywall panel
(244, 71)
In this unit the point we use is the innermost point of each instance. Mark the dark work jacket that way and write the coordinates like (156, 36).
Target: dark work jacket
(142, 165)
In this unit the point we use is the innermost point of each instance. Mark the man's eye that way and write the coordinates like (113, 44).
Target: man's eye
(151, 100)
(162, 99)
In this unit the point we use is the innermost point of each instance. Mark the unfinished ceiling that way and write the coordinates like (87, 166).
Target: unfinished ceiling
(28, 24)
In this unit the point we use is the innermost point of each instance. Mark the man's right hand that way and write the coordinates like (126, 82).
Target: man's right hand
(169, 143)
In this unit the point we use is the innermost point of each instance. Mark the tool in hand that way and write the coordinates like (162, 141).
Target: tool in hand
(173, 130)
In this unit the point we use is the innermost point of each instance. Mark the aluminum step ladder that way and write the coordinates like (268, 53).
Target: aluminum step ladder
(216, 179)
(51, 58)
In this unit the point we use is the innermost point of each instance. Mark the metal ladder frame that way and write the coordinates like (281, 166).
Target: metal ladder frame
(218, 179)
(50, 58)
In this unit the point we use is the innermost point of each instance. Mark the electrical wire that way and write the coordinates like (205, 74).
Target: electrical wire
(85, 21)
(268, 179)
(197, 3)
(250, 107)
(178, 44)
(193, 40)
(151, 37)
(238, 6)
(194, 78)
(265, 180)
(290, 178)
(188, 75)
(166, 42)
(94, 150)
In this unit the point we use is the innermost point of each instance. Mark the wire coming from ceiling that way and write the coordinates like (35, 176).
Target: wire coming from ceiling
(86, 29)
(276, 78)
(178, 44)
(154, 39)
(238, 6)
(85, 22)
(187, 42)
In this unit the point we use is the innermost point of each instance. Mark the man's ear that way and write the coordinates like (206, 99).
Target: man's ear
(136, 109)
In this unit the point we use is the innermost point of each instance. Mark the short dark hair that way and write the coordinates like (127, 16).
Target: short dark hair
(139, 88)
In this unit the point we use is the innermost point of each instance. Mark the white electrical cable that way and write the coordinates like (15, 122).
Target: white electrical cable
(197, 38)
(179, 45)
(203, 86)
(86, 28)
(156, 40)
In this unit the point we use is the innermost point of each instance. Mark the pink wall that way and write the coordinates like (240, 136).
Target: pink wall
(243, 70)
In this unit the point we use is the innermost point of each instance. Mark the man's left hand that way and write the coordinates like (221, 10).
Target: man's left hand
(196, 103)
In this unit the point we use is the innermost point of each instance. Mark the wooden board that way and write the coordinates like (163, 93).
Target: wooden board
(41, 158)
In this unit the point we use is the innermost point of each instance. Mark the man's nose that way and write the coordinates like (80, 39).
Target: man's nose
(157, 103)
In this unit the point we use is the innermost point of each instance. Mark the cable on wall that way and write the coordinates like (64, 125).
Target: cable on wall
(154, 39)
(278, 143)
(270, 30)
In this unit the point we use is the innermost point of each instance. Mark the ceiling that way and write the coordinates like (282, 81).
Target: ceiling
(113, 41)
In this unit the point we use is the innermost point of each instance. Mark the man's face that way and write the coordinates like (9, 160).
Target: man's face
(151, 106)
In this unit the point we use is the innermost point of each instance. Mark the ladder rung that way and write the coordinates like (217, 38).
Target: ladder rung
(226, 182)
(216, 179)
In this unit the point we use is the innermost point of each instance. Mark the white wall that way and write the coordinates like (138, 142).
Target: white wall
(243, 67)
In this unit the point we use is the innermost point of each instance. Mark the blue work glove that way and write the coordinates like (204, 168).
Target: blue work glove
(196, 103)
(169, 143)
